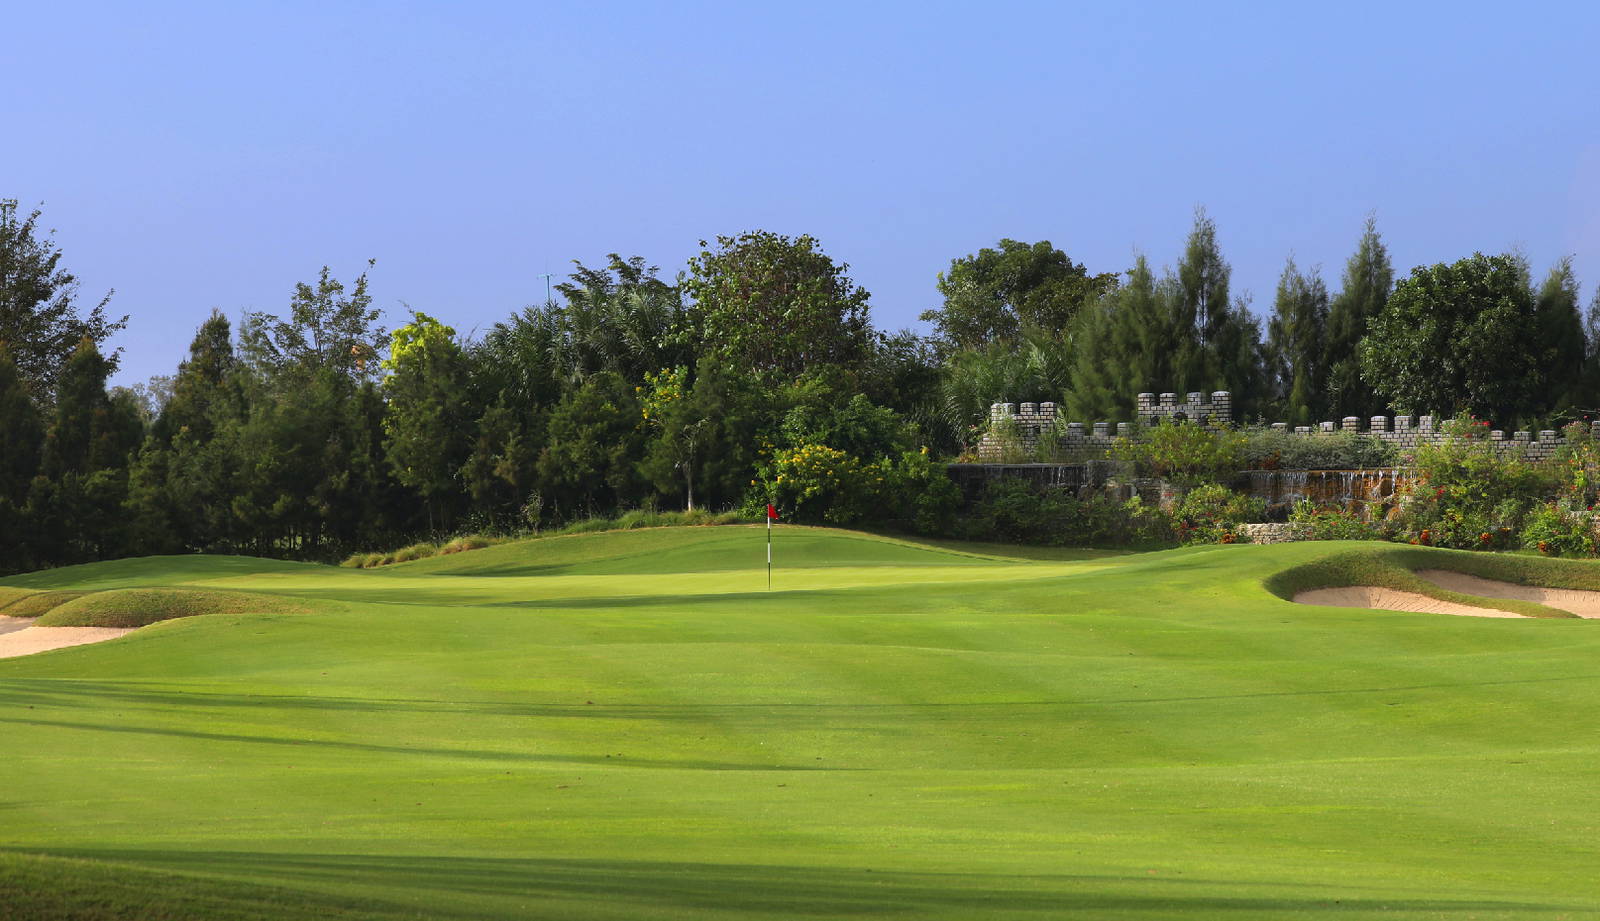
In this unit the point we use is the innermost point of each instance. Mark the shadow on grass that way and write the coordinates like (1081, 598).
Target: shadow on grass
(461, 887)
(620, 761)
(17, 695)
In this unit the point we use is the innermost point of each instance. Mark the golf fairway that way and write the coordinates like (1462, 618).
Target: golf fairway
(629, 725)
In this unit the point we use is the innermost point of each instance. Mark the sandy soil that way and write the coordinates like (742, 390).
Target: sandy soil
(19, 637)
(1583, 604)
(1388, 599)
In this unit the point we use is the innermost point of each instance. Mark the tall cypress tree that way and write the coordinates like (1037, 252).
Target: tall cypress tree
(204, 383)
(1123, 344)
(1218, 340)
(1202, 309)
(1368, 280)
(23, 431)
(1295, 343)
(82, 412)
(1559, 328)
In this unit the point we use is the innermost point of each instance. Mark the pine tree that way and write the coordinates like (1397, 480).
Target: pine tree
(203, 385)
(1218, 341)
(23, 432)
(83, 414)
(1124, 343)
(1295, 346)
(1559, 332)
(1365, 288)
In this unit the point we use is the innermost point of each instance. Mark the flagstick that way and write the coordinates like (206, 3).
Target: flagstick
(769, 553)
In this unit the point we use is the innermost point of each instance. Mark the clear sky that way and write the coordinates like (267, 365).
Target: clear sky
(211, 154)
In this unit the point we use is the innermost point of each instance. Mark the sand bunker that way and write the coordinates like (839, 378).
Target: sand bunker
(1388, 599)
(1581, 603)
(19, 637)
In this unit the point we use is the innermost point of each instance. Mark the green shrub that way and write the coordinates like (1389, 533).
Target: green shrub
(1212, 514)
(1013, 511)
(1265, 449)
(1183, 452)
(1333, 523)
(1557, 531)
(816, 484)
(355, 560)
(1468, 494)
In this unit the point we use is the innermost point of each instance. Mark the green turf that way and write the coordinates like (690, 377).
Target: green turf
(629, 726)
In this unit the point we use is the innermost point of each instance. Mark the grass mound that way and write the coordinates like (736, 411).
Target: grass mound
(136, 607)
(1396, 568)
(8, 594)
(34, 604)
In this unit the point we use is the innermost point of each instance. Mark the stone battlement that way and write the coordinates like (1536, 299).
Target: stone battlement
(1035, 421)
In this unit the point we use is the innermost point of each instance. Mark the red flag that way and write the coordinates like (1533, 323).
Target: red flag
(771, 512)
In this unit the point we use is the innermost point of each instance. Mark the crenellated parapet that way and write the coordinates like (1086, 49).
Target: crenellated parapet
(1033, 423)
(1215, 408)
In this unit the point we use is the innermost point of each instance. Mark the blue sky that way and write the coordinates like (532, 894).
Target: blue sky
(210, 155)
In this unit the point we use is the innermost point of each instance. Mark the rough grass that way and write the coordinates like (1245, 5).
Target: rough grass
(36, 604)
(644, 518)
(41, 888)
(137, 607)
(420, 551)
(9, 594)
(1396, 568)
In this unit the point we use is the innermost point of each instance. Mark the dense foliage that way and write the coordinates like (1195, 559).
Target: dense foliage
(756, 377)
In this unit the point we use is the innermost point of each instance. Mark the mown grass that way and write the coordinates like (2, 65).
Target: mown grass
(1396, 568)
(138, 607)
(628, 725)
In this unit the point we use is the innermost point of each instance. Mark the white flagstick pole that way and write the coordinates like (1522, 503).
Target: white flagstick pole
(769, 553)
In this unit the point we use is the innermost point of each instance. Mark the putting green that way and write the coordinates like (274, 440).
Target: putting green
(630, 726)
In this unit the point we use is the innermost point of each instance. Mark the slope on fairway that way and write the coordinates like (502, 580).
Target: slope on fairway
(627, 725)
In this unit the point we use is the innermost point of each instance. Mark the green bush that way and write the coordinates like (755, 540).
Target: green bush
(1333, 523)
(1212, 514)
(1557, 531)
(1183, 452)
(1013, 511)
(817, 484)
(1468, 494)
(1265, 449)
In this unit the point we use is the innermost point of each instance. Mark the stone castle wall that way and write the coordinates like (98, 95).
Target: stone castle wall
(1034, 422)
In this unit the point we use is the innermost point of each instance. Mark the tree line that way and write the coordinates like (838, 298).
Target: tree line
(754, 375)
